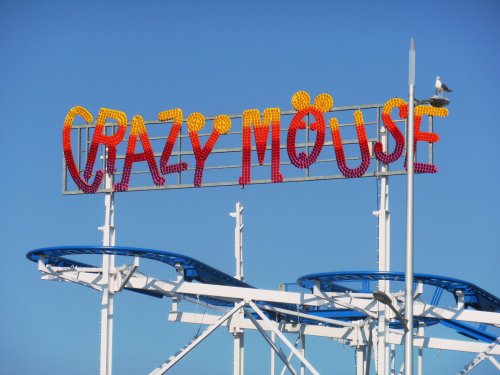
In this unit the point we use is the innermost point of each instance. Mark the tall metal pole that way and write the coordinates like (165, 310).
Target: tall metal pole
(239, 336)
(108, 264)
(409, 218)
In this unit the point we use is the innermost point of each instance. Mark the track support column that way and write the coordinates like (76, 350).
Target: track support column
(108, 264)
(360, 360)
(239, 353)
(239, 336)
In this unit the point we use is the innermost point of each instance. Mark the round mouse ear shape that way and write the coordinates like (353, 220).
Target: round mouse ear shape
(195, 122)
(323, 102)
(301, 100)
(222, 124)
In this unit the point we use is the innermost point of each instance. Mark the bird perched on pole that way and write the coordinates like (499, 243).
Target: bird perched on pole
(441, 87)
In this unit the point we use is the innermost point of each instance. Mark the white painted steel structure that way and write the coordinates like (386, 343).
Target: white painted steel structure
(370, 334)
(357, 334)
(365, 335)
(248, 307)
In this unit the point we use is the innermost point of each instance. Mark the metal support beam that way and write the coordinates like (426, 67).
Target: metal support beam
(393, 359)
(238, 240)
(290, 356)
(176, 289)
(282, 337)
(131, 270)
(273, 345)
(302, 339)
(481, 357)
(108, 266)
(343, 303)
(238, 348)
(420, 361)
(360, 353)
(384, 259)
(298, 314)
(239, 337)
(273, 355)
(186, 349)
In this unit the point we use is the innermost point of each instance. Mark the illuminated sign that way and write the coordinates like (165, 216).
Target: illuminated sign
(307, 116)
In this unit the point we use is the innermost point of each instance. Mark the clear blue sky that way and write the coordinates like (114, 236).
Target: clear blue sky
(223, 57)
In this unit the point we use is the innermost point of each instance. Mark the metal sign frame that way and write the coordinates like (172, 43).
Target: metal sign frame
(224, 163)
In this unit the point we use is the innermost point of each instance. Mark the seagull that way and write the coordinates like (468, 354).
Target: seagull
(441, 87)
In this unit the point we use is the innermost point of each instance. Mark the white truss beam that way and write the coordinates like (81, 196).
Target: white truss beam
(481, 357)
(238, 294)
(185, 350)
(310, 330)
(278, 333)
(271, 343)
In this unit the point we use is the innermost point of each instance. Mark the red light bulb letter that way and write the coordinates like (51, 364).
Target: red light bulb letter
(301, 102)
(176, 116)
(363, 145)
(393, 129)
(420, 111)
(109, 140)
(138, 130)
(68, 153)
(196, 122)
(271, 118)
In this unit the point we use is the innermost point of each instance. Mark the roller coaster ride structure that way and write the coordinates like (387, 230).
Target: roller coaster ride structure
(337, 305)
(361, 309)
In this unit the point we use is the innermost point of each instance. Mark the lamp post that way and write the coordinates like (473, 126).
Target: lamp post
(409, 216)
(435, 101)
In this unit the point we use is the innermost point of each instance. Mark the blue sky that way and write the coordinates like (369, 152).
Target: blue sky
(223, 57)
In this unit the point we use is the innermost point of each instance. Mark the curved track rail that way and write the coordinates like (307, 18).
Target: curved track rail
(471, 295)
(344, 282)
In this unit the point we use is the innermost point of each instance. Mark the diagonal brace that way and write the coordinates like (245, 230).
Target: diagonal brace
(319, 293)
(129, 274)
(273, 345)
(297, 353)
(172, 361)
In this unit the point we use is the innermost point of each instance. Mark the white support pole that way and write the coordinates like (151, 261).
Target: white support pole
(238, 240)
(393, 359)
(420, 362)
(384, 258)
(239, 337)
(239, 353)
(108, 264)
(302, 337)
(409, 218)
(273, 354)
(360, 360)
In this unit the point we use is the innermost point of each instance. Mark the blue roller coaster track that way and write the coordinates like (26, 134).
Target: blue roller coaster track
(351, 281)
